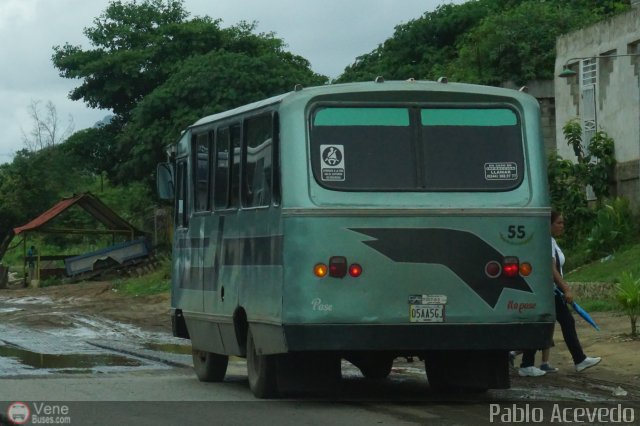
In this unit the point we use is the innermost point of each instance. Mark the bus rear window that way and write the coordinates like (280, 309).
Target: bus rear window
(417, 149)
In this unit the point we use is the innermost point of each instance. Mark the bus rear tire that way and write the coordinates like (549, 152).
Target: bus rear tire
(375, 368)
(371, 365)
(209, 367)
(261, 371)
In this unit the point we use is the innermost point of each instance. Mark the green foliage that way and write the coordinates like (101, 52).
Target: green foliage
(34, 181)
(158, 281)
(159, 71)
(612, 228)
(516, 44)
(204, 85)
(483, 41)
(628, 295)
(607, 269)
(568, 183)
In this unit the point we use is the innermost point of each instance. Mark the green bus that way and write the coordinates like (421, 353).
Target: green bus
(365, 222)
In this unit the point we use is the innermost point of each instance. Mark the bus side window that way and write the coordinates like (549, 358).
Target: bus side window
(275, 163)
(182, 213)
(234, 187)
(201, 172)
(221, 179)
(256, 166)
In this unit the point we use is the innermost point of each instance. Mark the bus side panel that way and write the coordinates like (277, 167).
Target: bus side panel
(405, 260)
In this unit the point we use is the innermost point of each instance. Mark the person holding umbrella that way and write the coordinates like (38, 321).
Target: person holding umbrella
(563, 299)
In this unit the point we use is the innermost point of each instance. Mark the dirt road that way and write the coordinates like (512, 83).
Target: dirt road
(59, 306)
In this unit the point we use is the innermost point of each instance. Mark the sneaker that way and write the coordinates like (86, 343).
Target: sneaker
(588, 362)
(530, 372)
(548, 368)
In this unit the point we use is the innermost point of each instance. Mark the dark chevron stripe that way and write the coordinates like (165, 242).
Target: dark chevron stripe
(462, 252)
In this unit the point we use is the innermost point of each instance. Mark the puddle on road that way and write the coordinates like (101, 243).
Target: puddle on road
(66, 361)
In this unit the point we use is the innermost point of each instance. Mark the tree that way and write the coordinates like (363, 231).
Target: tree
(204, 85)
(483, 41)
(47, 130)
(158, 71)
(137, 47)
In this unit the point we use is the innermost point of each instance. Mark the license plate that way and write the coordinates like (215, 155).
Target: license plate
(426, 313)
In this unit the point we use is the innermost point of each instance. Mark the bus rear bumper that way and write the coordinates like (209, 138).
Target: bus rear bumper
(417, 337)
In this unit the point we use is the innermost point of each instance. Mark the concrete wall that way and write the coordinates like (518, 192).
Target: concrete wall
(617, 92)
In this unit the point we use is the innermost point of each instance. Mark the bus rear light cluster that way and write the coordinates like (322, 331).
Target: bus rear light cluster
(510, 268)
(338, 267)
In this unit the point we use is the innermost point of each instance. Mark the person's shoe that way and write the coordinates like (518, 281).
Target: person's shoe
(588, 362)
(548, 368)
(530, 372)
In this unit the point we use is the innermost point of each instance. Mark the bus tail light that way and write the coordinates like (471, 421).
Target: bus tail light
(355, 270)
(510, 268)
(493, 269)
(525, 269)
(338, 266)
(320, 270)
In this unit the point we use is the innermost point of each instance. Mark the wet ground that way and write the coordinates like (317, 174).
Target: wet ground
(92, 331)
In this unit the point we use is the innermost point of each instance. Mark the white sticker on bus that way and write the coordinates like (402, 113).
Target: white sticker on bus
(501, 171)
(332, 162)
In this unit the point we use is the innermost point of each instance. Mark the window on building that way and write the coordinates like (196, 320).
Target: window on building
(588, 81)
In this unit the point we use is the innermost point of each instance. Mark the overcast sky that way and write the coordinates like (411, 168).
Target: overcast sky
(329, 33)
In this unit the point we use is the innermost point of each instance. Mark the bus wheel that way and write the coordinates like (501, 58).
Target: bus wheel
(371, 365)
(209, 367)
(261, 370)
(451, 372)
(375, 367)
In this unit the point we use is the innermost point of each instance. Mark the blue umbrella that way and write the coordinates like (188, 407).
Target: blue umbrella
(579, 310)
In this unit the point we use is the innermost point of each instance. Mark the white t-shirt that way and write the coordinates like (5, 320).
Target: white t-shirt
(556, 251)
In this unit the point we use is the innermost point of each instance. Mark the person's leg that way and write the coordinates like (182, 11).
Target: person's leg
(527, 369)
(568, 327)
(528, 359)
(545, 366)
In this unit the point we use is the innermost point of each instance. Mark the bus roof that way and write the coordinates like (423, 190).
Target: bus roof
(409, 85)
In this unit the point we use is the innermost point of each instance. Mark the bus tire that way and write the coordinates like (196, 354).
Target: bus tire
(375, 368)
(209, 367)
(261, 371)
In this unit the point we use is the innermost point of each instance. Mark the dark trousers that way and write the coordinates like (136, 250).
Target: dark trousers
(568, 327)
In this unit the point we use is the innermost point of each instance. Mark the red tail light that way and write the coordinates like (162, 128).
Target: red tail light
(510, 267)
(355, 270)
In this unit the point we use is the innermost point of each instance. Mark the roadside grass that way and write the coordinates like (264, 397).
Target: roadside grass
(596, 291)
(155, 282)
(608, 269)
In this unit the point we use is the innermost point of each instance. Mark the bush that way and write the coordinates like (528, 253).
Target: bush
(612, 228)
(628, 296)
